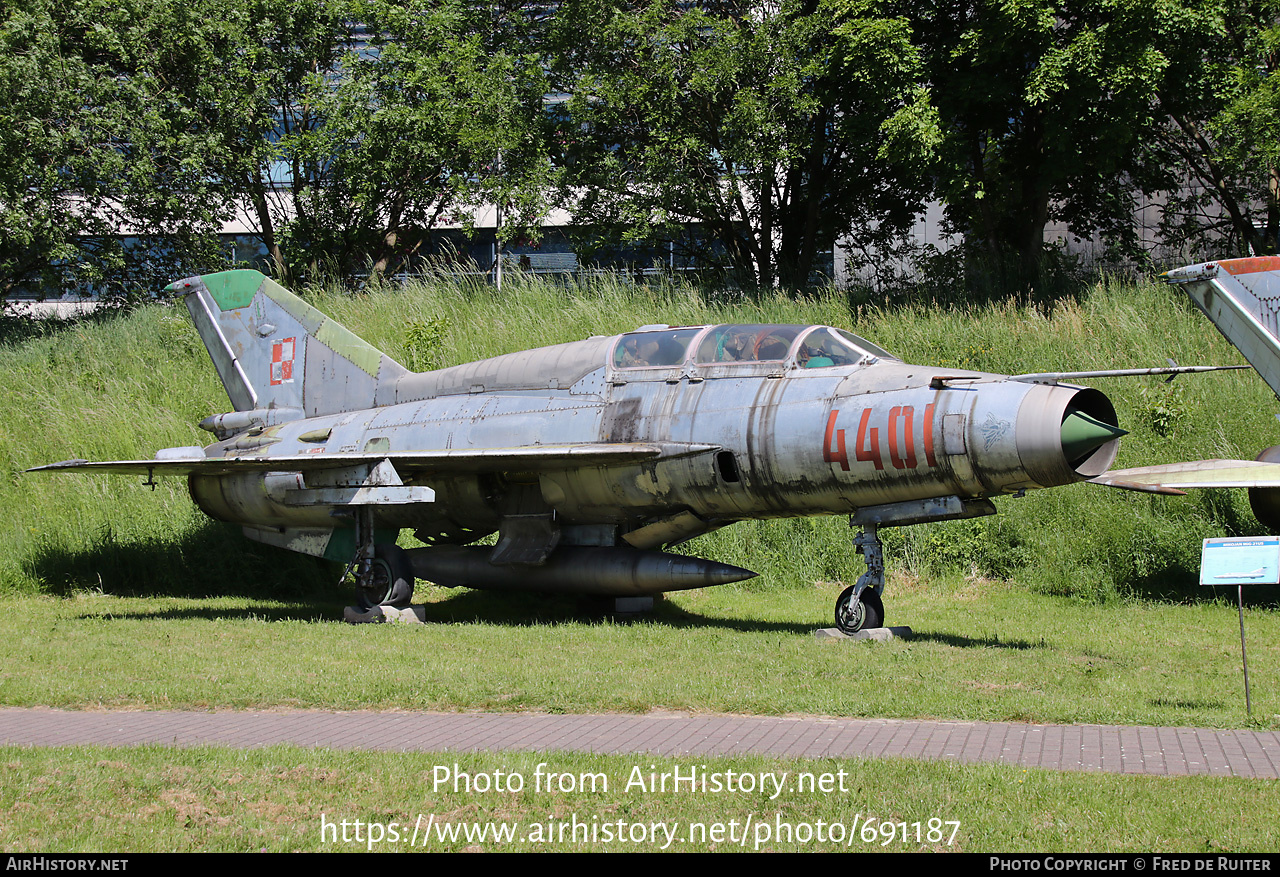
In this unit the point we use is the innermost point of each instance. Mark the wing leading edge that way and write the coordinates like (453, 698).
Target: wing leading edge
(1175, 479)
(525, 459)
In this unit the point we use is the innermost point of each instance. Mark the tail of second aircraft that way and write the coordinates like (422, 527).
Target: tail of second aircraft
(1242, 298)
(274, 352)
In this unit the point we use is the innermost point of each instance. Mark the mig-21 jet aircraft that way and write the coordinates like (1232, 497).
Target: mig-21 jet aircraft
(588, 459)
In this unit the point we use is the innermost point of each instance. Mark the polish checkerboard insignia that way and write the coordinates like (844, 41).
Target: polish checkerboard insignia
(282, 360)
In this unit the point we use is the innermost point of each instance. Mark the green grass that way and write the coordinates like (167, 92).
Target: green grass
(214, 800)
(982, 650)
(1073, 605)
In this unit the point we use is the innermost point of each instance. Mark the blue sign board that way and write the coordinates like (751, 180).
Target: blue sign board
(1241, 561)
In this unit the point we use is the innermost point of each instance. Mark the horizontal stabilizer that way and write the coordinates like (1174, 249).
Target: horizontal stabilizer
(1176, 478)
(528, 459)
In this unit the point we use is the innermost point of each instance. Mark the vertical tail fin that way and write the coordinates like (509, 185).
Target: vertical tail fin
(273, 350)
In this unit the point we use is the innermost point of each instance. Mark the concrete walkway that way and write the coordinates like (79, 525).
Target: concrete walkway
(1132, 750)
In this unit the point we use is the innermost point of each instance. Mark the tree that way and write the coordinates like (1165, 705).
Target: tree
(99, 182)
(342, 131)
(437, 112)
(247, 76)
(1044, 107)
(1220, 131)
(441, 112)
(775, 128)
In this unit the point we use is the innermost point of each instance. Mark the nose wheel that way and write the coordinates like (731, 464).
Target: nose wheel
(854, 613)
(859, 606)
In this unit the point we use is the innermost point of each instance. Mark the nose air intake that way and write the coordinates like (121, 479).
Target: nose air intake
(1083, 433)
(1066, 434)
(1088, 433)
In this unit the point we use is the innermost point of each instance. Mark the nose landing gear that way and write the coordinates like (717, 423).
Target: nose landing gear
(859, 606)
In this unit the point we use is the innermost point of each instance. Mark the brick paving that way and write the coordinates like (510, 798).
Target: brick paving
(1141, 750)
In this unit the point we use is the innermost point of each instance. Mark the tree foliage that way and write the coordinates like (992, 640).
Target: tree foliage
(102, 180)
(439, 114)
(775, 128)
(249, 75)
(1219, 131)
(1044, 108)
(345, 131)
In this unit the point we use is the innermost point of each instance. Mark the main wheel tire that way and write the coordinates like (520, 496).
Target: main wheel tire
(390, 580)
(864, 613)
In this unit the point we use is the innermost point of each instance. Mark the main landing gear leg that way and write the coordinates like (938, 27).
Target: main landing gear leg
(384, 575)
(859, 606)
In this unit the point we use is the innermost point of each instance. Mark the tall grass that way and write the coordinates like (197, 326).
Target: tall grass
(122, 385)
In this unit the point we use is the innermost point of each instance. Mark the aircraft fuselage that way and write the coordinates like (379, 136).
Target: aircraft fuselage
(787, 441)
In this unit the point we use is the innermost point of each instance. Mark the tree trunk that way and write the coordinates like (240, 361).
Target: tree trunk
(267, 233)
(1034, 209)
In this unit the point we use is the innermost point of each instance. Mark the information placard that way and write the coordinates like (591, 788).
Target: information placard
(1240, 561)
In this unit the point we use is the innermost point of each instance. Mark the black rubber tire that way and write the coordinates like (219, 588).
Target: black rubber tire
(868, 613)
(392, 579)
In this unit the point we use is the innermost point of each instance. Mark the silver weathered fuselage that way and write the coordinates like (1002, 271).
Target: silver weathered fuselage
(786, 441)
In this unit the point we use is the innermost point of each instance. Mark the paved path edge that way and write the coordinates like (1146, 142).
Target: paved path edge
(1161, 751)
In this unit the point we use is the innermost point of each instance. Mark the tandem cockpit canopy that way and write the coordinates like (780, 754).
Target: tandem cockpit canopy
(803, 346)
